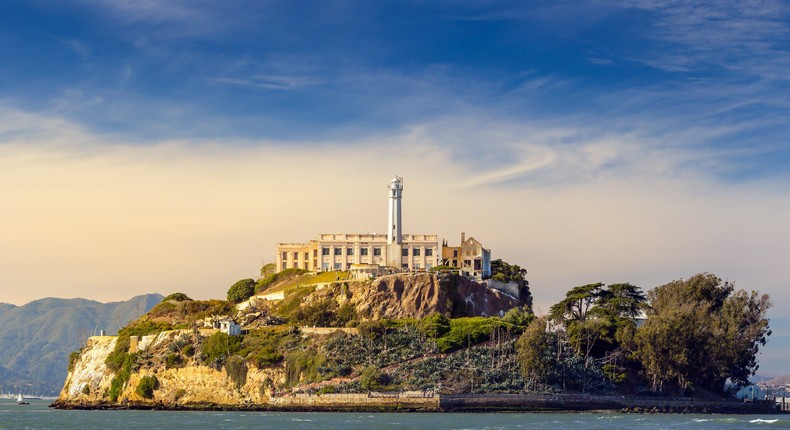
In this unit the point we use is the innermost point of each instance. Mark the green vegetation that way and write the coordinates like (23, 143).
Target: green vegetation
(443, 268)
(505, 272)
(218, 347)
(470, 331)
(179, 297)
(146, 386)
(73, 356)
(268, 269)
(272, 278)
(241, 291)
(128, 365)
(701, 332)
(236, 369)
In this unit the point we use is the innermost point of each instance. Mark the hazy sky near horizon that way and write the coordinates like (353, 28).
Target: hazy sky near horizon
(151, 146)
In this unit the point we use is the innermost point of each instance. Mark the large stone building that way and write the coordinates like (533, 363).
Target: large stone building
(339, 251)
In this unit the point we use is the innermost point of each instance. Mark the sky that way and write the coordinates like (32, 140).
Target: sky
(162, 146)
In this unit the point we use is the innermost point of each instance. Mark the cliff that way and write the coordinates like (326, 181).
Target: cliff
(189, 385)
(418, 295)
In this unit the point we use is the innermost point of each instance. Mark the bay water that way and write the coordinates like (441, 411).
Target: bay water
(38, 415)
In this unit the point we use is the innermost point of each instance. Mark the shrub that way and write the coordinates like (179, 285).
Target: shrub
(73, 357)
(435, 326)
(322, 313)
(290, 304)
(241, 291)
(519, 317)
(179, 297)
(345, 315)
(218, 347)
(301, 366)
(122, 374)
(179, 394)
(172, 360)
(146, 387)
(468, 331)
(371, 329)
(236, 369)
(189, 350)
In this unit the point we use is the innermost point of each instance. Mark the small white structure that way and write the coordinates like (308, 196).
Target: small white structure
(366, 271)
(229, 327)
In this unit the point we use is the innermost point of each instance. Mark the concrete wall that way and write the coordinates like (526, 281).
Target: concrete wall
(363, 401)
(509, 288)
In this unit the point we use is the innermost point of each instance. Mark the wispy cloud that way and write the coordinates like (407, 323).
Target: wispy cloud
(272, 82)
(742, 37)
(75, 45)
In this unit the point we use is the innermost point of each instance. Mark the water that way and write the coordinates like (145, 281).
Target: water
(38, 416)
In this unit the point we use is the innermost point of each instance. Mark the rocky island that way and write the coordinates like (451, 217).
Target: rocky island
(428, 341)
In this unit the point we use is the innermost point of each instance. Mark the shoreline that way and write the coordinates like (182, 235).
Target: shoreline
(736, 408)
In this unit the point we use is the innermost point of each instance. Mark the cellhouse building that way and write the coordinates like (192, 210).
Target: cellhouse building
(394, 250)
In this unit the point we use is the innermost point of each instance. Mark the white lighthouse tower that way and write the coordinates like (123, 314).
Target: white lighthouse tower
(395, 227)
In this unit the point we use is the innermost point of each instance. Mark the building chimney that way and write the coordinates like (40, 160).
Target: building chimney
(463, 238)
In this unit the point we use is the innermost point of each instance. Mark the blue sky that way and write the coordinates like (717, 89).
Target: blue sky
(610, 141)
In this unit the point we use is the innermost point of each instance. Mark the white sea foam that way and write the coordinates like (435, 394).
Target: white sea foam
(762, 421)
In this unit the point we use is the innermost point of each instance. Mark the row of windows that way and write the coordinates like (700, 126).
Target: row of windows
(363, 252)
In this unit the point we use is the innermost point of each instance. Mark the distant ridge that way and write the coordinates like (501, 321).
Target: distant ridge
(779, 380)
(36, 338)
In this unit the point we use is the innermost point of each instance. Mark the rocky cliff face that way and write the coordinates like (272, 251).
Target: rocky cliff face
(190, 385)
(417, 295)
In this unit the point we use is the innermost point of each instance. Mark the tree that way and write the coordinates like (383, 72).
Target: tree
(577, 303)
(699, 333)
(536, 353)
(622, 300)
(268, 269)
(241, 291)
(505, 272)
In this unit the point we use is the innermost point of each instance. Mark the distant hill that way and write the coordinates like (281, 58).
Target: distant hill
(36, 339)
(779, 380)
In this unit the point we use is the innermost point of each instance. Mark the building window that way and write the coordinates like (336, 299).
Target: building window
(455, 253)
(296, 256)
(338, 266)
(429, 252)
(285, 265)
(376, 251)
(324, 251)
(315, 253)
(285, 256)
(363, 251)
(415, 252)
(405, 252)
(338, 251)
(349, 251)
(305, 265)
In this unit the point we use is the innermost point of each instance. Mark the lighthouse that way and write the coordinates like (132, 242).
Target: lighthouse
(395, 227)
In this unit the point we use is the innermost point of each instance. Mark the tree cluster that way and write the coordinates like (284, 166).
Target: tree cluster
(694, 336)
